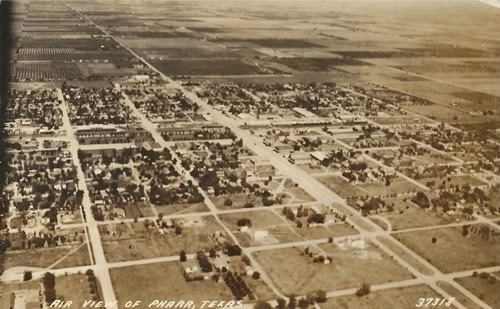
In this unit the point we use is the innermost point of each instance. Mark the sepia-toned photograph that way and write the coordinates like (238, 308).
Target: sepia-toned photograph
(267, 154)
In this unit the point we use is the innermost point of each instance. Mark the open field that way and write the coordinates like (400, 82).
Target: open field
(294, 272)
(340, 186)
(475, 252)
(278, 229)
(404, 255)
(454, 292)
(164, 281)
(133, 241)
(408, 215)
(485, 289)
(45, 257)
(74, 288)
(397, 186)
(31, 290)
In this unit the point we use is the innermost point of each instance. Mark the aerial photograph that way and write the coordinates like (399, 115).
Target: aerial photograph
(267, 154)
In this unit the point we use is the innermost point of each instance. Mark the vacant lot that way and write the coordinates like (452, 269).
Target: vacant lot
(31, 298)
(407, 215)
(294, 272)
(406, 297)
(485, 289)
(163, 281)
(461, 298)
(133, 241)
(263, 219)
(340, 186)
(397, 185)
(74, 288)
(474, 252)
(44, 257)
(398, 251)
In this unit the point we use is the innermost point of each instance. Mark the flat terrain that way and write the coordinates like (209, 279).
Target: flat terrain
(474, 251)
(134, 241)
(406, 297)
(163, 281)
(486, 289)
(294, 272)
(45, 257)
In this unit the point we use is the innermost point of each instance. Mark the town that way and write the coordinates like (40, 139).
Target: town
(185, 159)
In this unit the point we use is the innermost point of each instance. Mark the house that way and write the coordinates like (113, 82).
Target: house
(260, 235)
(318, 155)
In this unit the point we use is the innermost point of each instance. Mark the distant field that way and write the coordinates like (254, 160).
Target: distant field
(205, 67)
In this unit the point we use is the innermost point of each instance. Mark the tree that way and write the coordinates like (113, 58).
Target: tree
(260, 304)
(228, 202)
(248, 205)
(281, 303)
(421, 200)
(303, 303)
(28, 275)
(178, 230)
(292, 303)
(182, 256)
(363, 290)
(233, 250)
(244, 222)
(256, 275)
(212, 253)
